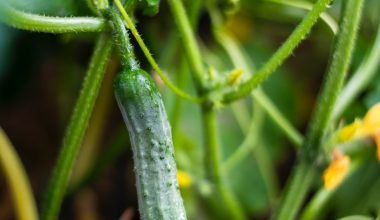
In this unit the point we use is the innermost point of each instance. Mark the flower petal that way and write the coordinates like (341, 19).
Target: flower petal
(371, 121)
(349, 132)
(336, 171)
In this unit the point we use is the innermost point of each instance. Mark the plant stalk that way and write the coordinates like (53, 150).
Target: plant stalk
(213, 163)
(56, 25)
(76, 129)
(302, 177)
(280, 55)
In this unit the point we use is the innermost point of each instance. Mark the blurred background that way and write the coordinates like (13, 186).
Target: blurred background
(41, 75)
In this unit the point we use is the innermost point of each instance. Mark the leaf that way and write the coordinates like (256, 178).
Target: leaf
(356, 217)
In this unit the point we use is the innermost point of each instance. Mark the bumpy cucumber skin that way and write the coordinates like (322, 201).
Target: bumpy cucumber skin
(144, 114)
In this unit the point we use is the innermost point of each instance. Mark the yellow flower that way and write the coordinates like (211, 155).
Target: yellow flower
(371, 121)
(336, 171)
(184, 180)
(349, 132)
(234, 77)
(368, 127)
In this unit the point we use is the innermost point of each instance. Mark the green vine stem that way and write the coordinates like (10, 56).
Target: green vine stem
(360, 79)
(17, 179)
(121, 36)
(92, 141)
(208, 112)
(249, 142)
(76, 128)
(150, 58)
(326, 17)
(189, 42)
(280, 55)
(303, 175)
(241, 115)
(56, 25)
(278, 118)
(214, 170)
(236, 54)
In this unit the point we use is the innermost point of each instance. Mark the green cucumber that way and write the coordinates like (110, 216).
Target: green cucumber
(144, 114)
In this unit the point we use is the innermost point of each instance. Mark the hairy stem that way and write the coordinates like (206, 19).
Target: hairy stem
(299, 183)
(280, 55)
(360, 79)
(121, 37)
(326, 17)
(39, 23)
(76, 129)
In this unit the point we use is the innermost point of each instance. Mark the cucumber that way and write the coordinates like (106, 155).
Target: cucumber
(144, 114)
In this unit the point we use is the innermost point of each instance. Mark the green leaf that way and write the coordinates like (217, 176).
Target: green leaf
(356, 217)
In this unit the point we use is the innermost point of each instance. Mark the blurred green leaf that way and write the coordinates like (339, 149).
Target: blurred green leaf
(356, 217)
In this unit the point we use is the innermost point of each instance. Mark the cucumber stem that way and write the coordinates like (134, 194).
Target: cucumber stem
(120, 34)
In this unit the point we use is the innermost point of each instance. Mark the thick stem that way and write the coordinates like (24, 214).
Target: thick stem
(121, 37)
(301, 179)
(360, 79)
(213, 161)
(76, 129)
(296, 189)
(39, 23)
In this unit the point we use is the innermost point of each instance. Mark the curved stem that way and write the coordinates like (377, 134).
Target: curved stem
(360, 79)
(237, 56)
(17, 180)
(301, 179)
(249, 142)
(241, 115)
(280, 55)
(76, 129)
(278, 118)
(150, 58)
(189, 42)
(40, 23)
(326, 17)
